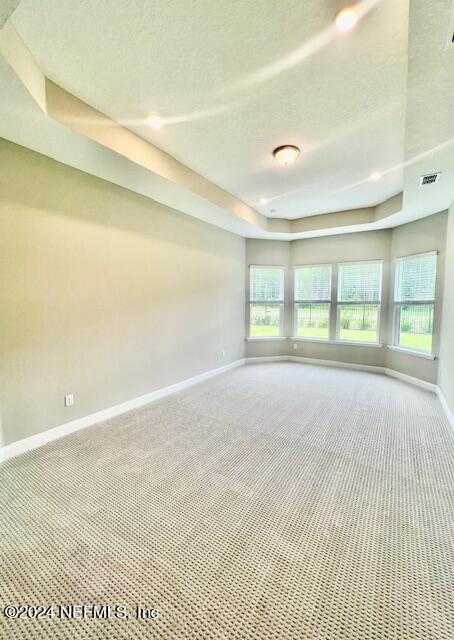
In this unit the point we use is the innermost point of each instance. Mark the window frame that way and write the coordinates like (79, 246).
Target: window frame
(280, 302)
(398, 304)
(341, 303)
(297, 301)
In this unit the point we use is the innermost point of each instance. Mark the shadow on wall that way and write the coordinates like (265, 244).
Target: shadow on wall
(95, 201)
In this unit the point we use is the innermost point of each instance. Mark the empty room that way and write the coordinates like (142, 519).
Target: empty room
(226, 319)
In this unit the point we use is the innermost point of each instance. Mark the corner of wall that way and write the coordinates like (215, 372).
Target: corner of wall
(446, 365)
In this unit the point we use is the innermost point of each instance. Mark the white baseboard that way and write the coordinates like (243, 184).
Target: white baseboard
(429, 386)
(446, 407)
(267, 359)
(21, 446)
(349, 365)
(335, 363)
(16, 448)
(320, 361)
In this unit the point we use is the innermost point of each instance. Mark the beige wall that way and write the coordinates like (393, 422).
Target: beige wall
(108, 295)
(446, 371)
(424, 235)
(104, 294)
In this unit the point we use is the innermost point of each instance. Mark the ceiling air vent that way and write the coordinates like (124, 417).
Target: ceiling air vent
(431, 178)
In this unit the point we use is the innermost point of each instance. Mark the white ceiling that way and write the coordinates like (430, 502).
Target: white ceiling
(429, 139)
(344, 105)
(232, 80)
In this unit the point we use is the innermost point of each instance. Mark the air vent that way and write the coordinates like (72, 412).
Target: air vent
(431, 178)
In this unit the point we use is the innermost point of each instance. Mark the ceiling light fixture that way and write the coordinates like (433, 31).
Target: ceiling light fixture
(154, 122)
(286, 154)
(263, 200)
(346, 19)
(375, 176)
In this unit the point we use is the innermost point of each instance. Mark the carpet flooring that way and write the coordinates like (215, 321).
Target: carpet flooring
(277, 501)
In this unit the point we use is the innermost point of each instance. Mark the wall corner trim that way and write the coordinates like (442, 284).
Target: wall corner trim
(38, 439)
(446, 407)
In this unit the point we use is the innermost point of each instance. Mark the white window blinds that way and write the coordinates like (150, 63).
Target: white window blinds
(313, 283)
(266, 284)
(415, 278)
(360, 282)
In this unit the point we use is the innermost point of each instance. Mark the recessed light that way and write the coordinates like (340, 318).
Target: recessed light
(375, 176)
(263, 200)
(346, 19)
(154, 122)
(286, 154)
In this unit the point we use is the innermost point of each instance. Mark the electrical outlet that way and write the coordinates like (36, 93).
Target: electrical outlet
(69, 400)
(223, 354)
(295, 346)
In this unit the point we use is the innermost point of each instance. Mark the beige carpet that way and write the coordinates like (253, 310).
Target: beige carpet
(277, 501)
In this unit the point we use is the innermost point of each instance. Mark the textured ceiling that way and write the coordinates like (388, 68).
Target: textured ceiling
(6, 9)
(429, 139)
(235, 80)
(232, 80)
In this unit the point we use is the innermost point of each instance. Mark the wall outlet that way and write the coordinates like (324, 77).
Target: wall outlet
(223, 354)
(295, 346)
(69, 400)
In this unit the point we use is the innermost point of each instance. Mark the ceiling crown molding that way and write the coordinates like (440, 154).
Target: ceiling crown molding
(7, 8)
(176, 184)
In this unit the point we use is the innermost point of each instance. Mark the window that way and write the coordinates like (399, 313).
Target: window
(358, 301)
(266, 301)
(312, 301)
(414, 300)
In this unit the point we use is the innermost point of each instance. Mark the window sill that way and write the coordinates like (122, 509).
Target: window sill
(348, 343)
(411, 352)
(265, 338)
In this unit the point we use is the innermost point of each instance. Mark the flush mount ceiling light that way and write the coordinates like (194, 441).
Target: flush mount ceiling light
(375, 176)
(346, 19)
(154, 122)
(286, 154)
(263, 200)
